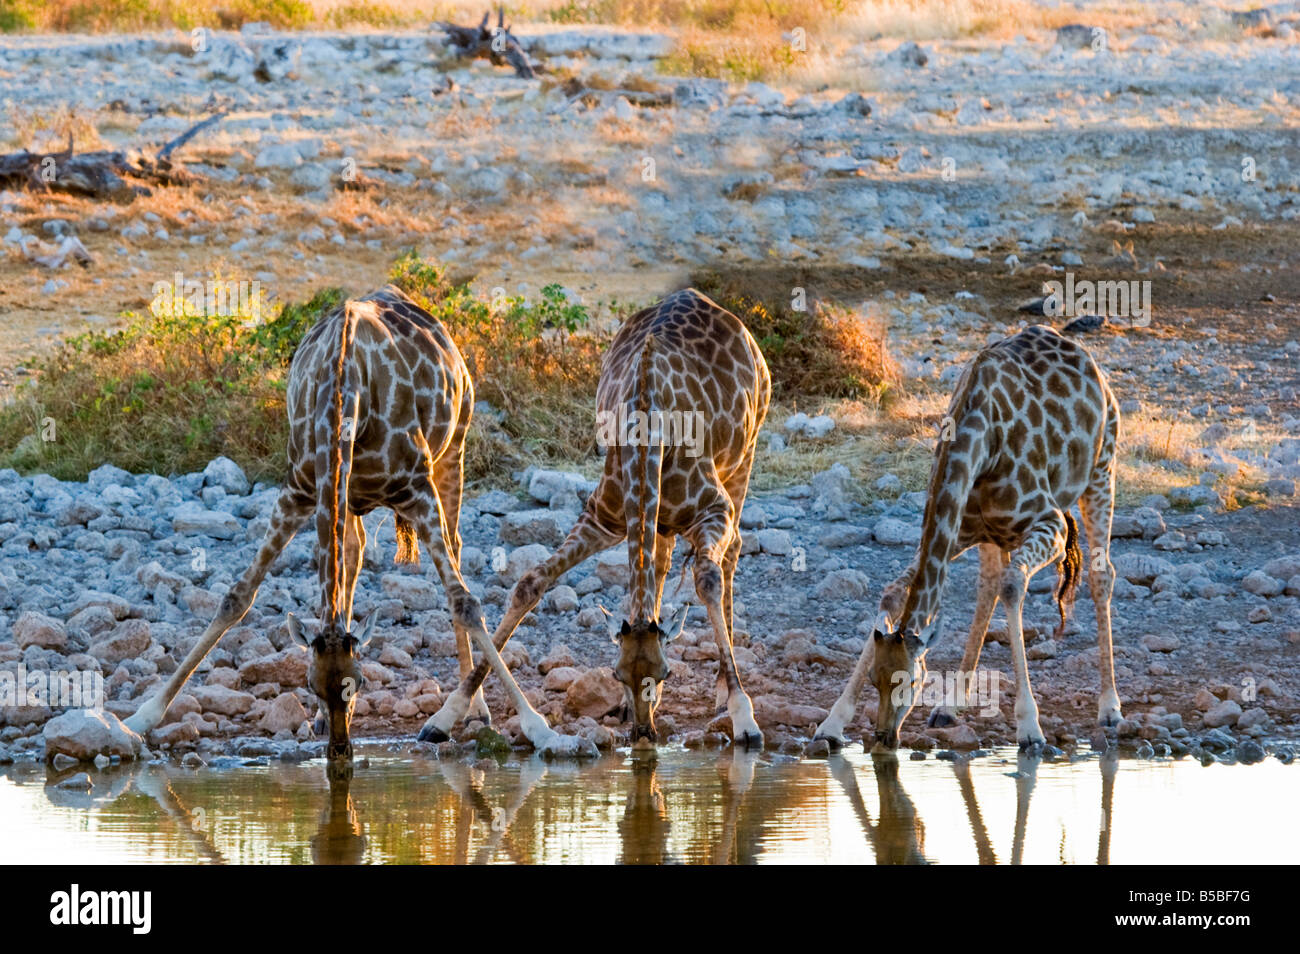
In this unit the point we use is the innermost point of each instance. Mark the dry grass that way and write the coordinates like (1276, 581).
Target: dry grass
(1162, 450)
(166, 394)
(1158, 450)
(173, 389)
(868, 439)
(41, 130)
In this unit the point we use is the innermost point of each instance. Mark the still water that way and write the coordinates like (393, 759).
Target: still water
(677, 807)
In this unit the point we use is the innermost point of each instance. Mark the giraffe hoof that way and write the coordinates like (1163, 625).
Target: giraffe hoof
(835, 742)
(940, 718)
(1032, 747)
(749, 740)
(432, 734)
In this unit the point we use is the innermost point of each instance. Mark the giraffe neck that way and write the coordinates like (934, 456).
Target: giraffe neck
(930, 572)
(958, 461)
(644, 479)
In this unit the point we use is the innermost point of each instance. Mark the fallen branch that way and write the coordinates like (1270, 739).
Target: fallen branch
(189, 134)
(70, 249)
(100, 174)
(497, 44)
(576, 90)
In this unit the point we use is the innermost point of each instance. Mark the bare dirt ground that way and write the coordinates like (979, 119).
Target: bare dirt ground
(1057, 152)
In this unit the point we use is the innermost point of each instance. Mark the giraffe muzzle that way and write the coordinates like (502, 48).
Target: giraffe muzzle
(339, 751)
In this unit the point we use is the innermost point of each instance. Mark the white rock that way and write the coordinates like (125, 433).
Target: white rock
(894, 532)
(547, 527)
(85, 733)
(522, 559)
(563, 599)
(190, 518)
(545, 484)
(37, 629)
(846, 584)
(775, 542)
(415, 592)
(611, 566)
(285, 712)
(1261, 584)
(279, 156)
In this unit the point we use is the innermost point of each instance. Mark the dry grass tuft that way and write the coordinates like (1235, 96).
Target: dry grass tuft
(814, 347)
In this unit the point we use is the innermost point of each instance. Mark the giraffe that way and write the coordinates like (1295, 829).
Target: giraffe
(379, 402)
(1031, 430)
(688, 366)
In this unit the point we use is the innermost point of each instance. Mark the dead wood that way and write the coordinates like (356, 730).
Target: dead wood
(497, 44)
(102, 173)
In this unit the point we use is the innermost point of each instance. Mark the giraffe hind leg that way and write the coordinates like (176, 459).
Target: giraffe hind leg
(1096, 507)
(585, 539)
(449, 479)
(354, 557)
(711, 538)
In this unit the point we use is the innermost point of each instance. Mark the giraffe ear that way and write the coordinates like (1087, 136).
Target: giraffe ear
(676, 624)
(296, 633)
(915, 646)
(883, 625)
(367, 629)
(612, 622)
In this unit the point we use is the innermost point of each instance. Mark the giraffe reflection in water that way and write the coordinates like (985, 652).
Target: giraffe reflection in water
(725, 828)
(735, 806)
(340, 839)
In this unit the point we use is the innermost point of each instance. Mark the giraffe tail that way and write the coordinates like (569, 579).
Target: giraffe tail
(408, 547)
(338, 439)
(1069, 572)
(643, 472)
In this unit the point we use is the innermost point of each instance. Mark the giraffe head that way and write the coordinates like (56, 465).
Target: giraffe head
(335, 675)
(898, 673)
(642, 666)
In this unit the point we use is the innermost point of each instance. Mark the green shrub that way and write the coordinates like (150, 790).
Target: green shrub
(165, 394)
(16, 15)
(176, 386)
(536, 363)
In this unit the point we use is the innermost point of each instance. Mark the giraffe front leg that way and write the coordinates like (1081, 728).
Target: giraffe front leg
(477, 708)
(587, 537)
(1028, 732)
(1096, 507)
(1043, 544)
(290, 513)
(708, 585)
(846, 706)
(467, 613)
